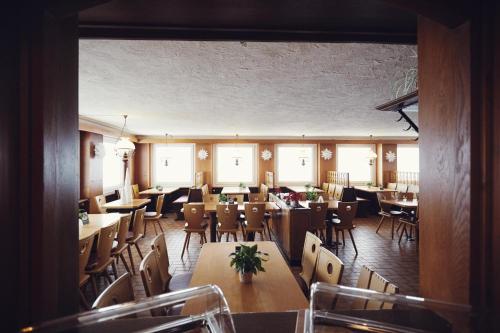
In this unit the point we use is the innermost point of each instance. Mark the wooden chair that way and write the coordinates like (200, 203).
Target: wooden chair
(310, 252)
(261, 197)
(135, 191)
(239, 198)
(412, 188)
(391, 289)
(346, 214)
(204, 190)
(254, 214)
(120, 291)
(121, 240)
(318, 217)
(387, 212)
(195, 222)
(402, 188)
(211, 198)
(96, 205)
(99, 263)
(154, 217)
(85, 246)
(337, 195)
(377, 283)
(391, 186)
(227, 217)
(170, 283)
(325, 186)
(255, 197)
(264, 191)
(151, 279)
(136, 234)
(364, 279)
(329, 267)
(331, 190)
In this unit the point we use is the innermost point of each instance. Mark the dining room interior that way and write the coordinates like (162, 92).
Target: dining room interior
(179, 166)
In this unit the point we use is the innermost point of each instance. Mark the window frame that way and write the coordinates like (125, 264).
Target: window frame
(373, 168)
(190, 183)
(106, 190)
(255, 162)
(314, 160)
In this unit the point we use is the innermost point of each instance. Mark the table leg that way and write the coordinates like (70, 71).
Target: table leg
(213, 227)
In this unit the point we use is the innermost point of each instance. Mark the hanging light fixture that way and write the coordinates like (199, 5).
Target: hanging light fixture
(236, 156)
(124, 148)
(372, 156)
(166, 143)
(303, 157)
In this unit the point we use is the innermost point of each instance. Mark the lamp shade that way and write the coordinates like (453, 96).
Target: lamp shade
(372, 155)
(124, 147)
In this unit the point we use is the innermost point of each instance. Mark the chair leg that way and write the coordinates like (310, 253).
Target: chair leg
(115, 271)
(159, 224)
(343, 239)
(353, 243)
(227, 237)
(402, 232)
(337, 239)
(380, 224)
(154, 227)
(94, 284)
(106, 274)
(186, 239)
(145, 228)
(269, 230)
(84, 301)
(138, 250)
(124, 262)
(234, 236)
(392, 228)
(129, 250)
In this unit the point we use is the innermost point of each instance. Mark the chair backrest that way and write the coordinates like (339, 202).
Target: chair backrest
(391, 186)
(331, 189)
(348, 194)
(310, 252)
(212, 198)
(329, 267)
(227, 216)
(105, 243)
(364, 279)
(385, 207)
(204, 189)
(121, 236)
(347, 212)
(236, 197)
(159, 248)
(413, 188)
(318, 214)
(408, 196)
(194, 195)
(97, 203)
(193, 214)
(138, 227)
(256, 197)
(264, 191)
(337, 195)
(159, 203)
(324, 187)
(150, 274)
(403, 188)
(377, 283)
(120, 291)
(254, 214)
(391, 289)
(85, 246)
(135, 191)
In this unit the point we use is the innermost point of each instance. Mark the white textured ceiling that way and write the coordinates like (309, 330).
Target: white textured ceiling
(190, 88)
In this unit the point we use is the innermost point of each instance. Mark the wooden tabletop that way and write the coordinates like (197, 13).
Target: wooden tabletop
(271, 291)
(303, 189)
(373, 189)
(402, 203)
(96, 222)
(211, 207)
(154, 191)
(332, 204)
(235, 190)
(120, 204)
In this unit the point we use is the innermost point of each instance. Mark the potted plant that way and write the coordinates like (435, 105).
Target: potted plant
(369, 184)
(311, 196)
(159, 187)
(248, 261)
(222, 198)
(293, 199)
(242, 185)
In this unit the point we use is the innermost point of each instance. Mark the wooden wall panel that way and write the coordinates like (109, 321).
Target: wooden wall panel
(205, 165)
(388, 168)
(445, 163)
(265, 165)
(141, 166)
(326, 165)
(90, 165)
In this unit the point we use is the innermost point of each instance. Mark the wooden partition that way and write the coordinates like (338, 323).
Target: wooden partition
(90, 165)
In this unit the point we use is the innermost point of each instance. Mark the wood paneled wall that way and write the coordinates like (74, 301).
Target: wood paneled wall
(90, 165)
(205, 165)
(265, 166)
(388, 168)
(326, 165)
(141, 165)
(445, 160)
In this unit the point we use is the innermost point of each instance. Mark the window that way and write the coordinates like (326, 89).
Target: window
(407, 158)
(354, 159)
(173, 164)
(235, 164)
(296, 164)
(112, 167)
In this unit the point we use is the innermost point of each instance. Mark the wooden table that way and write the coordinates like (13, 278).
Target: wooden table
(412, 204)
(126, 206)
(303, 189)
(211, 209)
(374, 189)
(155, 192)
(271, 291)
(97, 222)
(235, 190)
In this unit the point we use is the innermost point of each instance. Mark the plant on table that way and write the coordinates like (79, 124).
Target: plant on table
(293, 198)
(222, 197)
(242, 185)
(311, 196)
(248, 261)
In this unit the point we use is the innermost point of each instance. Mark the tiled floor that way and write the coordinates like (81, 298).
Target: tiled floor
(397, 263)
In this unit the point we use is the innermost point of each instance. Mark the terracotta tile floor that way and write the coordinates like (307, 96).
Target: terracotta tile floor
(397, 263)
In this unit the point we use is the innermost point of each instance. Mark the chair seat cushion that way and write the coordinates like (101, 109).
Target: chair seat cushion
(396, 212)
(151, 214)
(180, 281)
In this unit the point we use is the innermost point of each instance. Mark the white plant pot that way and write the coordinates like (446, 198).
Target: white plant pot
(246, 277)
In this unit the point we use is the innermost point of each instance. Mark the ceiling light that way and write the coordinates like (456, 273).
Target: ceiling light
(124, 148)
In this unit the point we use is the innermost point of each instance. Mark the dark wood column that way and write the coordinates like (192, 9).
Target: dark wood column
(39, 164)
